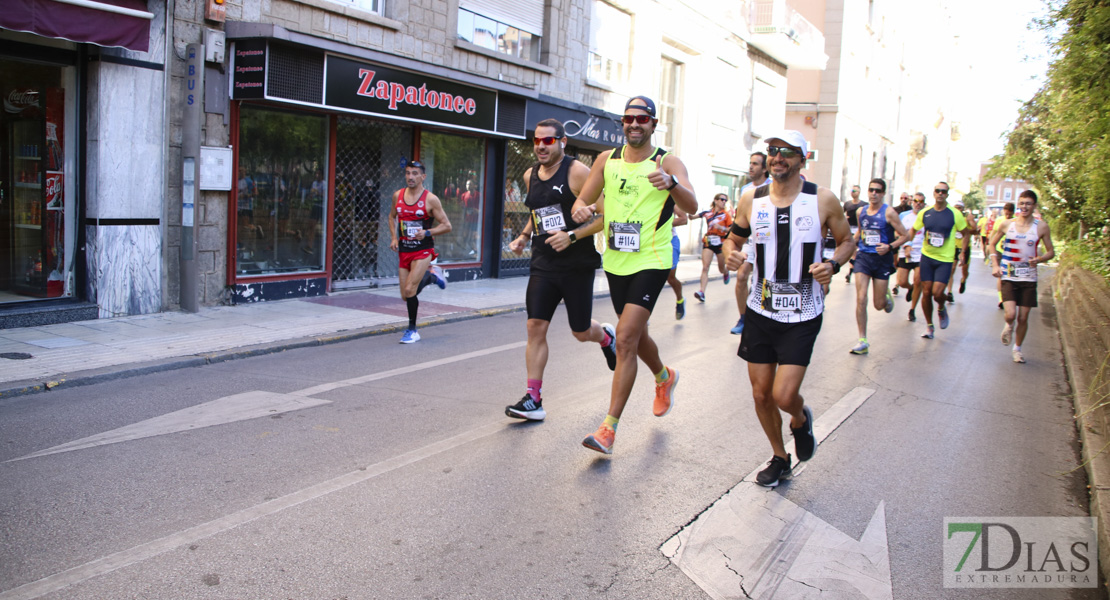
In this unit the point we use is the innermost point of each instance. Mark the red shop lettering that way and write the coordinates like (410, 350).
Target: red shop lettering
(396, 93)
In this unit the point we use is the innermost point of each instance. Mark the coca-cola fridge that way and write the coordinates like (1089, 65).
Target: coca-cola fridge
(32, 200)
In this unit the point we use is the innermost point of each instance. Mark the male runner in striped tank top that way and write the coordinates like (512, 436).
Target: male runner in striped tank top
(642, 185)
(786, 221)
(1016, 265)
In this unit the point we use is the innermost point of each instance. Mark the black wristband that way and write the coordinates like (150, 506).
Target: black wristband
(740, 231)
(674, 182)
(835, 265)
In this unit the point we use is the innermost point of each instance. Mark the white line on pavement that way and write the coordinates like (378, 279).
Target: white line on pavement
(247, 405)
(151, 549)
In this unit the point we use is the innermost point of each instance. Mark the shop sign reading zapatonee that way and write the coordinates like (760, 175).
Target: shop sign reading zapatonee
(379, 90)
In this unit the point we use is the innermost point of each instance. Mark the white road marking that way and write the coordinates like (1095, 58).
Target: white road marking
(240, 407)
(247, 405)
(148, 550)
(327, 387)
(754, 543)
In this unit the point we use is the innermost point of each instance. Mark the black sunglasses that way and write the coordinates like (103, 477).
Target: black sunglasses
(940, 191)
(641, 119)
(784, 152)
(875, 190)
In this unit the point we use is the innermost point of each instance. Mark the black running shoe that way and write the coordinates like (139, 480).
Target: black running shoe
(610, 351)
(909, 295)
(951, 298)
(777, 468)
(527, 408)
(963, 286)
(805, 445)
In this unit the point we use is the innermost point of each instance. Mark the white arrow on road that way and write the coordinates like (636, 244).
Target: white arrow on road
(754, 543)
(247, 405)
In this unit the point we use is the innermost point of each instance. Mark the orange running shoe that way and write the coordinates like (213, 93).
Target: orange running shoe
(664, 394)
(601, 440)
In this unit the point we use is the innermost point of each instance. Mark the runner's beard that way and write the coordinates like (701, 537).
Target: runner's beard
(790, 173)
(554, 157)
(645, 138)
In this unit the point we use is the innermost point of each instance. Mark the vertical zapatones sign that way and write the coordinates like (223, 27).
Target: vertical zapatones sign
(379, 90)
(248, 79)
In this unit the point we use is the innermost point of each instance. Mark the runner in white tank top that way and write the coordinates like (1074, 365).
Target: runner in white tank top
(1016, 265)
(786, 222)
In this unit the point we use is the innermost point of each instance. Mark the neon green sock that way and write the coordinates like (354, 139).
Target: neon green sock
(661, 376)
(681, 301)
(611, 421)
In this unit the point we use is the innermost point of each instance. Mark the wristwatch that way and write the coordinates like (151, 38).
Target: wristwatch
(835, 265)
(573, 237)
(674, 182)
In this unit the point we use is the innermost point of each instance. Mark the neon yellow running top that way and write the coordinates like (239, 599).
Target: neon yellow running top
(638, 217)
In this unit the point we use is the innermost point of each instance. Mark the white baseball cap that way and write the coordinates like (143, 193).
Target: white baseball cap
(959, 202)
(792, 138)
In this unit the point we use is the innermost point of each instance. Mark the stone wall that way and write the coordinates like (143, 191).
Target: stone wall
(1083, 306)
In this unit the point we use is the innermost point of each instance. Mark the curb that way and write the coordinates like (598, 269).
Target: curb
(15, 389)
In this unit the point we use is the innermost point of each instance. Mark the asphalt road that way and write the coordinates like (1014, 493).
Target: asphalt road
(369, 469)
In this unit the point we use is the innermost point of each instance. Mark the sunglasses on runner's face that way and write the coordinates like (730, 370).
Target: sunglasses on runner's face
(784, 152)
(641, 119)
(546, 141)
(874, 190)
(940, 191)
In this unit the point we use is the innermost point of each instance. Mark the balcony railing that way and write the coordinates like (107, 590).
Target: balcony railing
(786, 35)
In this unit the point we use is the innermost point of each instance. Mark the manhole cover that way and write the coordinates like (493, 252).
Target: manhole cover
(16, 355)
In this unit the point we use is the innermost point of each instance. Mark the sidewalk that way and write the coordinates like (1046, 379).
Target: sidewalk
(35, 359)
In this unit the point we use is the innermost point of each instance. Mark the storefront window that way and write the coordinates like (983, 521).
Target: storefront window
(520, 158)
(729, 185)
(454, 173)
(282, 192)
(36, 202)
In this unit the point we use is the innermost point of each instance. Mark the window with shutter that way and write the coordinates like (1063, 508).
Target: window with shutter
(512, 27)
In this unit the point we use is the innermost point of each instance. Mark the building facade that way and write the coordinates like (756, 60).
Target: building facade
(82, 159)
(882, 108)
(248, 150)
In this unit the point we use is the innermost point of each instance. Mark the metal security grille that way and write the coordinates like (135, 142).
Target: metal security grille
(295, 74)
(510, 114)
(518, 158)
(370, 161)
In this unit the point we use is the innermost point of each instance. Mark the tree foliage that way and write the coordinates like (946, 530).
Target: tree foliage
(1062, 134)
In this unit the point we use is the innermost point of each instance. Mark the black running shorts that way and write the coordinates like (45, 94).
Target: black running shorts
(641, 288)
(1024, 293)
(904, 263)
(767, 341)
(574, 288)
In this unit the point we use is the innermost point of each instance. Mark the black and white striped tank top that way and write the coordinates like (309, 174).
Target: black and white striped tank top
(787, 241)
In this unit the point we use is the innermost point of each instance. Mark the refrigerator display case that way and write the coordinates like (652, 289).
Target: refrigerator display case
(31, 188)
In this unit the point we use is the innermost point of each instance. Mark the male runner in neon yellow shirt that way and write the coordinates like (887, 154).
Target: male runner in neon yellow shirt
(642, 185)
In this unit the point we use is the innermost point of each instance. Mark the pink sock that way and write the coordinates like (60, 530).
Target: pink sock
(534, 388)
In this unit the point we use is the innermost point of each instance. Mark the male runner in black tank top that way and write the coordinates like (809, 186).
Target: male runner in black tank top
(564, 261)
